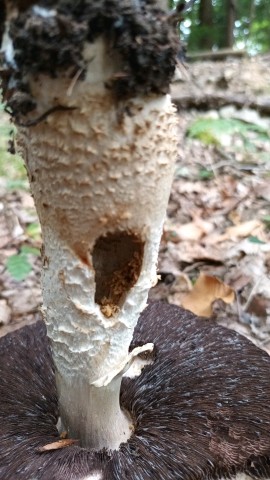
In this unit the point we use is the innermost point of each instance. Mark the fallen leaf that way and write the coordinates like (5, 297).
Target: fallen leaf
(248, 248)
(206, 290)
(29, 301)
(189, 187)
(5, 312)
(244, 229)
(12, 327)
(263, 190)
(174, 254)
(194, 230)
(259, 306)
(240, 281)
(234, 216)
(57, 445)
(10, 227)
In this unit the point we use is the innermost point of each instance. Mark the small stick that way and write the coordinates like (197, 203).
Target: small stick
(36, 121)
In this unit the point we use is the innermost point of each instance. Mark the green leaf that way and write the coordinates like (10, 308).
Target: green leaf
(205, 174)
(27, 249)
(211, 130)
(266, 219)
(17, 184)
(33, 231)
(253, 239)
(18, 266)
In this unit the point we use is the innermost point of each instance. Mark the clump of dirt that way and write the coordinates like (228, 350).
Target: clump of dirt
(49, 39)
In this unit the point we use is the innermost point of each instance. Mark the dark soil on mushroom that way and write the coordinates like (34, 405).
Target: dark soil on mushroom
(141, 36)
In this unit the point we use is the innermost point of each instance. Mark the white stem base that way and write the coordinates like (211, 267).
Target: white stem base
(93, 414)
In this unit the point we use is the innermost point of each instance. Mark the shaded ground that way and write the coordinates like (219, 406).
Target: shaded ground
(218, 216)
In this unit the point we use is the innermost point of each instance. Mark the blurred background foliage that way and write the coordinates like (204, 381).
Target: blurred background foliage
(215, 24)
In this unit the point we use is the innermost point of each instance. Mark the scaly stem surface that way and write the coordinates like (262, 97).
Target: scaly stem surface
(100, 171)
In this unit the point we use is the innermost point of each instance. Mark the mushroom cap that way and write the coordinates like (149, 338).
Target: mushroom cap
(201, 408)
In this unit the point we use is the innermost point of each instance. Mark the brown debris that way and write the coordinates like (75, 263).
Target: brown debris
(57, 445)
(206, 290)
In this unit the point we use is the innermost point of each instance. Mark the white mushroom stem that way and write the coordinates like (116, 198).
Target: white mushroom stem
(100, 174)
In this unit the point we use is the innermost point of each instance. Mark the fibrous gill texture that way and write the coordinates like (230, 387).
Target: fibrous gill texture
(211, 396)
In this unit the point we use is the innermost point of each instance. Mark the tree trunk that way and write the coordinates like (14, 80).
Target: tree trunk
(99, 141)
(231, 17)
(252, 14)
(206, 24)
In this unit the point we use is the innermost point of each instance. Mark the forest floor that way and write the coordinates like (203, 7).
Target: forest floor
(215, 251)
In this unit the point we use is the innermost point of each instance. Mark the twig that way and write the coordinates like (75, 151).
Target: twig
(252, 293)
(36, 121)
(74, 81)
(193, 267)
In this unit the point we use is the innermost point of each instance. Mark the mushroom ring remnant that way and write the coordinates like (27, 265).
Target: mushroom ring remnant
(200, 407)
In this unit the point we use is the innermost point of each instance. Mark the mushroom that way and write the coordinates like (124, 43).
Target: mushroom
(200, 406)
(168, 396)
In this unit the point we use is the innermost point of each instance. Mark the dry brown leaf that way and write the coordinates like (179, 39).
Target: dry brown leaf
(248, 248)
(263, 190)
(56, 445)
(188, 252)
(188, 231)
(259, 306)
(193, 231)
(206, 290)
(235, 217)
(190, 187)
(5, 312)
(11, 327)
(239, 281)
(28, 302)
(10, 227)
(244, 229)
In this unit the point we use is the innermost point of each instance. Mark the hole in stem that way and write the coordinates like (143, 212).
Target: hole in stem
(117, 260)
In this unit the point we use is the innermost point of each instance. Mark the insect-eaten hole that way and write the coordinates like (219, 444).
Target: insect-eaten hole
(117, 259)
